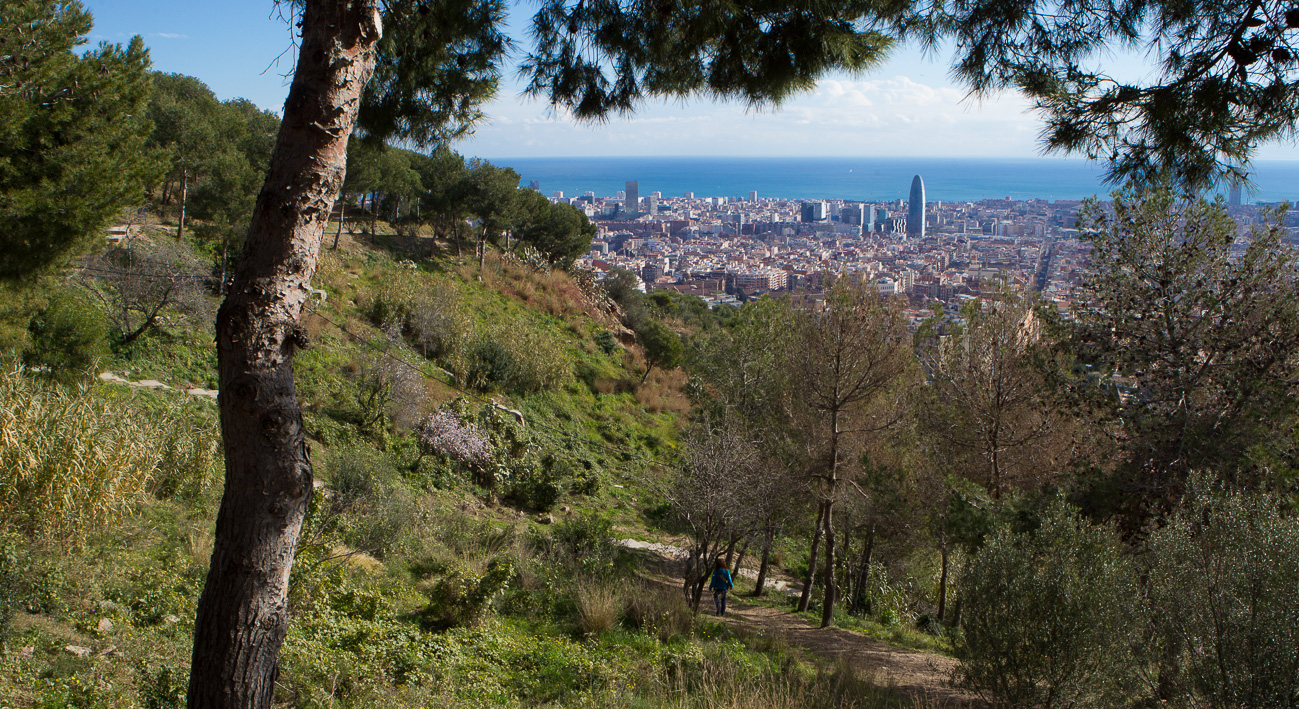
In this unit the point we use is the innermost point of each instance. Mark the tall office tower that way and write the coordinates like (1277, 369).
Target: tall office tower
(753, 195)
(853, 214)
(535, 185)
(916, 209)
(689, 195)
(558, 195)
(633, 199)
(1233, 196)
(654, 205)
(812, 211)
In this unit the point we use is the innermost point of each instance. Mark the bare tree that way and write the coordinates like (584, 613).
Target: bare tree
(144, 278)
(713, 496)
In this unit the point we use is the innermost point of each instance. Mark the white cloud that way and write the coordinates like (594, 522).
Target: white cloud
(168, 35)
(841, 116)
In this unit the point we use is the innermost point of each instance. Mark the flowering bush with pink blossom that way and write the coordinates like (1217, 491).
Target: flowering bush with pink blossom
(443, 432)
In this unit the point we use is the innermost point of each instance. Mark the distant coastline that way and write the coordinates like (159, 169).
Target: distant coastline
(860, 179)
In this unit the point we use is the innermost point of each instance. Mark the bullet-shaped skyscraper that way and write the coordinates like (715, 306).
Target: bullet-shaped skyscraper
(916, 209)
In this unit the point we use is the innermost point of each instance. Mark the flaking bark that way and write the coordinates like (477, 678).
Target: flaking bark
(242, 614)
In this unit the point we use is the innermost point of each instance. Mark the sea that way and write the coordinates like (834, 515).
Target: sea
(856, 179)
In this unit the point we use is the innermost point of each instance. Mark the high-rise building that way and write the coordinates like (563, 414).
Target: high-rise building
(753, 195)
(1233, 196)
(812, 212)
(535, 185)
(916, 209)
(633, 199)
(689, 195)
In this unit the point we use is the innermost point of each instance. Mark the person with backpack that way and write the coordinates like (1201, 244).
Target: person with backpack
(720, 584)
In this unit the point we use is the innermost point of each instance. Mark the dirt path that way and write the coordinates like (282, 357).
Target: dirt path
(920, 676)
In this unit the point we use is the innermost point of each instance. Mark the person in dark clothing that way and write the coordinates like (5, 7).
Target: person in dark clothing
(720, 584)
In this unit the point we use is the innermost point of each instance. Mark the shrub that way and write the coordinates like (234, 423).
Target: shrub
(607, 343)
(373, 510)
(463, 598)
(68, 336)
(585, 544)
(1048, 616)
(161, 688)
(9, 600)
(1225, 600)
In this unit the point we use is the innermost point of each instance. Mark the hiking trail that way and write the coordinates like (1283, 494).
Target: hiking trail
(923, 677)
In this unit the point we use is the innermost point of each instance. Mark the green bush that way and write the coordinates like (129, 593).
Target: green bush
(68, 336)
(372, 509)
(1225, 601)
(585, 544)
(162, 687)
(464, 598)
(1049, 616)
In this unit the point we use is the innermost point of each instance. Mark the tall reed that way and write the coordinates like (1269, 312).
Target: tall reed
(72, 459)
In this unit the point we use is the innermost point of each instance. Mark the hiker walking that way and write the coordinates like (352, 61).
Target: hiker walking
(720, 584)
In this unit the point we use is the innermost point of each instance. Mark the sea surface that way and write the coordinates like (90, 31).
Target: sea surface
(859, 179)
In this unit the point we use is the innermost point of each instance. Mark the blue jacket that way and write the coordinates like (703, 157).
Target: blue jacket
(721, 580)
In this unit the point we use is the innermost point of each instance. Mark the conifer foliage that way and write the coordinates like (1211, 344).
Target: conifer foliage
(72, 133)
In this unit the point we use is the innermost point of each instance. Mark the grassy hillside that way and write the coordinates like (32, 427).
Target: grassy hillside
(422, 578)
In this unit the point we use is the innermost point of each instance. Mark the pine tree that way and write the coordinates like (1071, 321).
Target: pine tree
(72, 134)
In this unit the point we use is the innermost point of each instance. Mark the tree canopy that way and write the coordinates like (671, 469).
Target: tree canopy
(1226, 76)
(72, 133)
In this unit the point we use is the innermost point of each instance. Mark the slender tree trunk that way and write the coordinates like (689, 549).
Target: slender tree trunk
(942, 583)
(811, 560)
(374, 214)
(860, 600)
(243, 613)
(744, 549)
(827, 608)
(342, 216)
(759, 586)
(730, 550)
(184, 197)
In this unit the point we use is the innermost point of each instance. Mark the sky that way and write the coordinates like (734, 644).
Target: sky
(908, 107)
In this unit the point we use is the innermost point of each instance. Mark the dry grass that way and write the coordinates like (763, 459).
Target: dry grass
(659, 611)
(720, 683)
(598, 607)
(551, 291)
(73, 460)
(663, 391)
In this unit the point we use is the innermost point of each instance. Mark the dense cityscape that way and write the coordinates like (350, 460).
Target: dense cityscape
(726, 249)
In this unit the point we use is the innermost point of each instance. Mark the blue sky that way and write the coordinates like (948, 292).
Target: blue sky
(906, 108)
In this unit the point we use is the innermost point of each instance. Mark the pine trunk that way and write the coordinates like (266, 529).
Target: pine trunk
(942, 584)
(811, 561)
(759, 586)
(184, 198)
(243, 614)
(827, 608)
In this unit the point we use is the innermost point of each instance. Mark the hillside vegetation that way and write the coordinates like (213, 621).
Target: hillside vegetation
(1091, 508)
